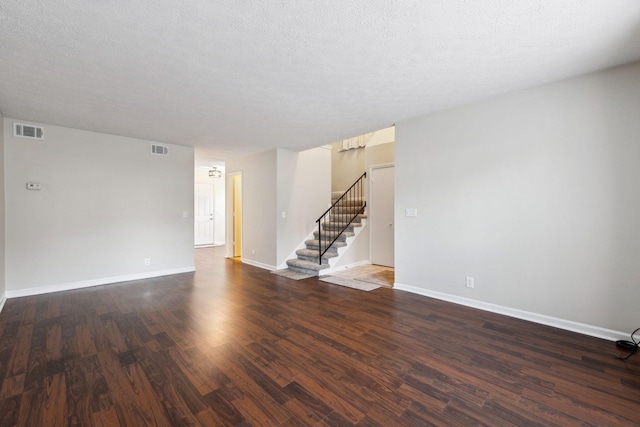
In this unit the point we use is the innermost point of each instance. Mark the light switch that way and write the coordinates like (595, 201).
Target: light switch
(284, 214)
(411, 212)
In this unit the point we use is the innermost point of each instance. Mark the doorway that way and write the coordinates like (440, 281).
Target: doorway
(236, 214)
(381, 196)
(204, 215)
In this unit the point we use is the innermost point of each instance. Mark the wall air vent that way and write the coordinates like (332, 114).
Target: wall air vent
(159, 150)
(28, 131)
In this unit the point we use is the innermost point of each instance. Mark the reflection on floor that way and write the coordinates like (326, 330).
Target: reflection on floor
(378, 274)
(364, 278)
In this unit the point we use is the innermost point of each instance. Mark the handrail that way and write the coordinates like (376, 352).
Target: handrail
(351, 199)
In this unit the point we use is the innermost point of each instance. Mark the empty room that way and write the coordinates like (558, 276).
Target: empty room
(279, 213)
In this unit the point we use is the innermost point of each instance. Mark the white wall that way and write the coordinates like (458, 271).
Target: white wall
(106, 204)
(259, 197)
(382, 136)
(219, 190)
(304, 192)
(2, 217)
(536, 194)
(348, 165)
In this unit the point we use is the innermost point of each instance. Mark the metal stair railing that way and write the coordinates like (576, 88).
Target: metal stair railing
(351, 200)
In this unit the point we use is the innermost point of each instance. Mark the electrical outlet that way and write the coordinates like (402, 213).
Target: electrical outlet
(411, 212)
(34, 186)
(253, 251)
(470, 282)
(147, 261)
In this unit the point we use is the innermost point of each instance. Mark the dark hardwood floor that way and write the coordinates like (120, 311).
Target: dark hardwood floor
(234, 345)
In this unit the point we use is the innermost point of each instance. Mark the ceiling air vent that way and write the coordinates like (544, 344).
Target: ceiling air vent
(159, 150)
(28, 131)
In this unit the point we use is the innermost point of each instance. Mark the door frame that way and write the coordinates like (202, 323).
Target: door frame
(229, 209)
(370, 202)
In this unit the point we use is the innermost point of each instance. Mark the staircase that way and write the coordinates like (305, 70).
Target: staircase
(337, 218)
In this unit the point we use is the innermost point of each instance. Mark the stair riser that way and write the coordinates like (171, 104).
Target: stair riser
(343, 209)
(331, 228)
(328, 237)
(357, 221)
(306, 265)
(315, 248)
(313, 253)
(303, 271)
(344, 218)
(350, 200)
(313, 259)
(313, 245)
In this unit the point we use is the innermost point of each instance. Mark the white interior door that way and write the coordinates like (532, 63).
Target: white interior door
(381, 211)
(204, 217)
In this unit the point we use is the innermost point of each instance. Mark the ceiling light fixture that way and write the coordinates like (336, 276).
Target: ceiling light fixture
(215, 173)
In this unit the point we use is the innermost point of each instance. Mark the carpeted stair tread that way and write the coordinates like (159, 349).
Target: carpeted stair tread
(332, 234)
(306, 265)
(345, 208)
(326, 234)
(314, 243)
(310, 253)
(333, 225)
(357, 221)
(335, 197)
(346, 211)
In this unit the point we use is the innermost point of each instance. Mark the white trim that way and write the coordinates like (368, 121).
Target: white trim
(209, 245)
(258, 264)
(3, 299)
(95, 282)
(569, 325)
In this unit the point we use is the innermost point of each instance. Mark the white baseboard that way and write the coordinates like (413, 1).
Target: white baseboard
(209, 245)
(258, 264)
(568, 325)
(3, 299)
(95, 282)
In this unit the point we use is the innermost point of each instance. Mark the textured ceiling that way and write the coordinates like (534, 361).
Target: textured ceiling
(235, 77)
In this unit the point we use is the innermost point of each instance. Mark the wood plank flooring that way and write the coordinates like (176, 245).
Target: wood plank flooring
(375, 274)
(233, 345)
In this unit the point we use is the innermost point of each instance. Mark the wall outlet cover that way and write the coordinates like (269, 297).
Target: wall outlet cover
(470, 282)
(34, 186)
